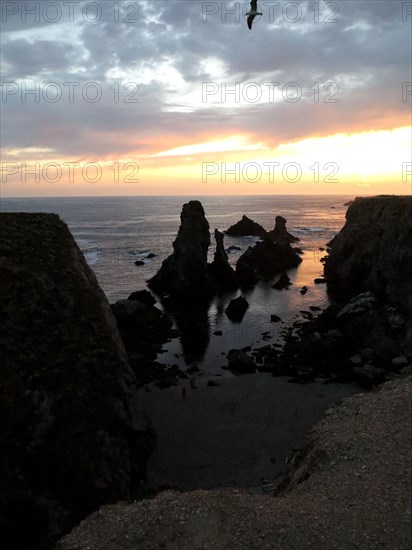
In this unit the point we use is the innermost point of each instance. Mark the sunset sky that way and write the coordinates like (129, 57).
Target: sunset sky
(180, 97)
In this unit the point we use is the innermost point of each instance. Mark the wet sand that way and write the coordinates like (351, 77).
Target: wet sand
(232, 435)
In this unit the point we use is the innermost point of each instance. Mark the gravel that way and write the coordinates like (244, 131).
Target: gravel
(351, 488)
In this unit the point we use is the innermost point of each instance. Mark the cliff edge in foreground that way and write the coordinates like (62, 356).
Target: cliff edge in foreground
(351, 485)
(71, 436)
(351, 488)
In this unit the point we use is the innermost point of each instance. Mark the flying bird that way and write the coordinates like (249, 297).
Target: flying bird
(252, 13)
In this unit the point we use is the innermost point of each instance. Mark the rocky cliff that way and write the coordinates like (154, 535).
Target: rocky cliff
(184, 275)
(71, 435)
(373, 252)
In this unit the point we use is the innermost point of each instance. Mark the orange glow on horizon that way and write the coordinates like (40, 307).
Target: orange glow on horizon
(368, 162)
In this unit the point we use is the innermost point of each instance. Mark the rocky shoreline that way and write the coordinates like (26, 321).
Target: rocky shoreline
(349, 488)
(73, 437)
(364, 336)
(185, 285)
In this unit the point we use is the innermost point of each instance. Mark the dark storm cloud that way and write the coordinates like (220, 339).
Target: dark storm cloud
(366, 52)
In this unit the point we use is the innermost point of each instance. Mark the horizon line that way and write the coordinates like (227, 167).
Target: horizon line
(195, 195)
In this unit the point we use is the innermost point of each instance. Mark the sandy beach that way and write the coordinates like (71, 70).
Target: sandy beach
(234, 434)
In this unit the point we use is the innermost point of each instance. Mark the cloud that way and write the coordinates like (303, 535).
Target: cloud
(170, 49)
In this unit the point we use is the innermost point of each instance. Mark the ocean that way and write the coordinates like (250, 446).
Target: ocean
(114, 232)
(244, 429)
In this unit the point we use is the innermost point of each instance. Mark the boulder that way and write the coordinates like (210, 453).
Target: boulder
(239, 362)
(221, 271)
(184, 275)
(399, 362)
(280, 233)
(264, 260)
(246, 227)
(282, 282)
(236, 309)
(140, 324)
(71, 435)
(358, 305)
(143, 296)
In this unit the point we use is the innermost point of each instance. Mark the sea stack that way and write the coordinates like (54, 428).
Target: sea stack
(222, 272)
(264, 261)
(280, 233)
(246, 227)
(184, 276)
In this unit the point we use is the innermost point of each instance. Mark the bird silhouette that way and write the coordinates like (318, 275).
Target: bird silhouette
(252, 13)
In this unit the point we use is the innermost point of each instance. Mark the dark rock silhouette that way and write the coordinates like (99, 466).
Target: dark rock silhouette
(366, 335)
(280, 233)
(341, 341)
(184, 275)
(246, 273)
(192, 322)
(374, 252)
(71, 435)
(246, 227)
(275, 318)
(240, 362)
(186, 282)
(221, 271)
(143, 327)
(282, 282)
(143, 296)
(264, 260)
(236, 309)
